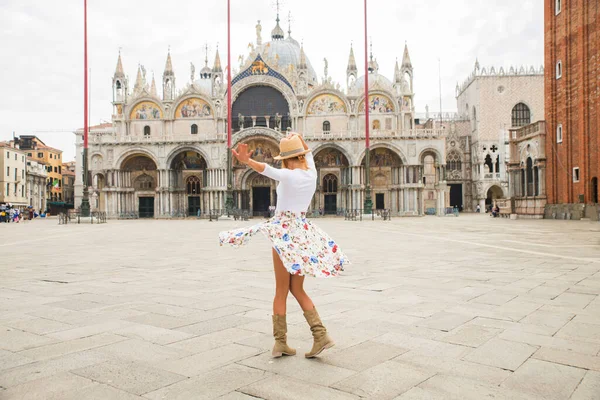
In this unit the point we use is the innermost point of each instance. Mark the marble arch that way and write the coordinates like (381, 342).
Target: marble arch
(250, 133)
(389, 96)
(341, 96)
(178, 150)
(327, 146)
(388, 146)
(172, 112)
(136, 151)
(438, 156)
(130, 108)
(263, 80)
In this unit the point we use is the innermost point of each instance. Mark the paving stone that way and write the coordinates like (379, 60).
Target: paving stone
(494, 298)
(40, 326)
(98, 391)
(444, 387)
(10, 360)
(454, 367)
(502, 354)
(200, 344)
(152, 334)
(445, 321)
(131, 377)
(471, 335)
(581, 331)
(517, 335)
(42, 369)
(569, 358)
(285, 388)
(202, 362)
(161, 321)
(17, 340)
(89, 330)
(237, 396)
(384, 381)
(425, 347)
(545, 380)
(211, 385)
(363, 356)
(139, 350)
(55, 387)
(217, 324)
(317, 370)
(71, 346)
(589, 388)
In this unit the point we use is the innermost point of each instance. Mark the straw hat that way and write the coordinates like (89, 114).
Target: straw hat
(290, 147)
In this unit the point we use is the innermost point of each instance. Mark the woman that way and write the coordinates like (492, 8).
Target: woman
(299, 247)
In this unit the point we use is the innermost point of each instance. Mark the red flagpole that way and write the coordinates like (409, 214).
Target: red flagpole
(367, 102)
(85, 78)
(229, 74)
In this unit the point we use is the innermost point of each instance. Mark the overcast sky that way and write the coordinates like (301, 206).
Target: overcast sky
(41, 47)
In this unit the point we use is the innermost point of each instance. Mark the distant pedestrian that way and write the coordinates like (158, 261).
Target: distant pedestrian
(478, 208)
(299, 247)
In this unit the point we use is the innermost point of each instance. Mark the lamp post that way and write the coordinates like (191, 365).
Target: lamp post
(368, 204)
(229, 197)
(85, 201)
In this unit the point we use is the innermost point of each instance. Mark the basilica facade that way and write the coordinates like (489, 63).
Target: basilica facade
(165, 154)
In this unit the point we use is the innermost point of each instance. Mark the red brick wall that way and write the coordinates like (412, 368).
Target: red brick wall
(572, 36)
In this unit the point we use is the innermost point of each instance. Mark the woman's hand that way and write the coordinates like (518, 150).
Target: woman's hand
(242, 153)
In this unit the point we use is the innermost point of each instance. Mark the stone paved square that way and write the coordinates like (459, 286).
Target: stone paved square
(448, 308)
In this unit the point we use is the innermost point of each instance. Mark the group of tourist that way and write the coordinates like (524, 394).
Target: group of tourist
(9, 213)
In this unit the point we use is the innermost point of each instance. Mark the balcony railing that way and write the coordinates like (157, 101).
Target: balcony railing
(527, 130)
(327, 135)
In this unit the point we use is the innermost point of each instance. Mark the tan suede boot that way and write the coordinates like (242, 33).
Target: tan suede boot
(280, 333)
(322, 341)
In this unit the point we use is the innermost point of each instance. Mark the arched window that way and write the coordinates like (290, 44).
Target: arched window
(521, 115)
(326, 127)
(146, 130)
(536, 187)
(330, 183)
(118, 85)
(488, 163)
(453, 162)
(559, 69)
(144, 182)
(193, 184)
(194, 129)
(529, 176)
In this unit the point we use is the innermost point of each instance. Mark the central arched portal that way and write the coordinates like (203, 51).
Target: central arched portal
(333, 179)
(141, 172)
(262, 106)
(252, 191)
(188, 177)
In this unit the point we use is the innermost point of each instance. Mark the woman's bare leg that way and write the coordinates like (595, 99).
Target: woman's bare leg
(282, 285)
(297, 289)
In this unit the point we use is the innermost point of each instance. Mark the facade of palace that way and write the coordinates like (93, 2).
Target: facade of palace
(165, 154)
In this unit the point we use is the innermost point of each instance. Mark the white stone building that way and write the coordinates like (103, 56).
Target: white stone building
(166, 155)
(12, 175)
(493, 101)
(37, 175)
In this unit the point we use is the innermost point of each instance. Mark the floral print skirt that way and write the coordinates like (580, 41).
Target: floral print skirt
(304, 248)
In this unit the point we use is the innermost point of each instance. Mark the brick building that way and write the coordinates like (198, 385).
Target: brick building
(572, 45)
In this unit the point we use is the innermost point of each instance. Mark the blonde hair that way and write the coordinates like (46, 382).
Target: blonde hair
(300, 159)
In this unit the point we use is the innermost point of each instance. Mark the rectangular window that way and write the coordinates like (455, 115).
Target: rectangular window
(7, 171)
(40, 155)
(8, 189)
(7, 154)
(22, 174)
(59, 169)
(576, 174)
(559, 133)
(16, 174)
(557, 6)
(55, 170)
(29, 155)
(559, 69)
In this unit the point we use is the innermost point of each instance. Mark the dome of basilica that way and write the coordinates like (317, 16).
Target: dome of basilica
(376, 81)
(288, 51)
